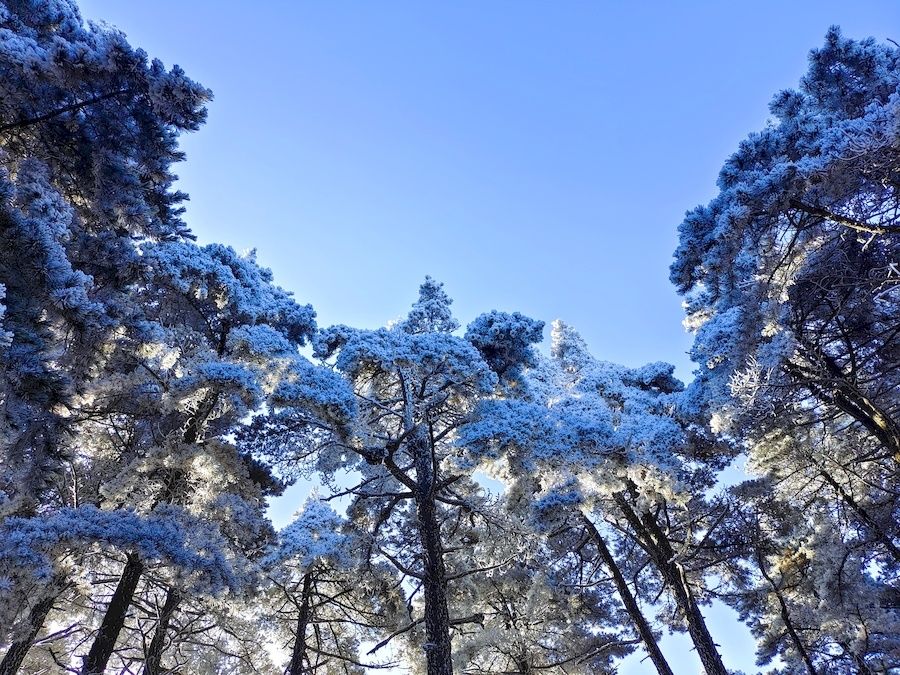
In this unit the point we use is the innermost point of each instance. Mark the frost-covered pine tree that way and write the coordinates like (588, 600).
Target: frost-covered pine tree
(207, 340)
(790, 283)
(615, 452)
(88, 129)
(789, 274)
(323, 603)
(219, 341)
(412, 490)
(129, 354)
(805, 587)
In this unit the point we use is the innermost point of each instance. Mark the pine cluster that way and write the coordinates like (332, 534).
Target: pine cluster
(154, 397)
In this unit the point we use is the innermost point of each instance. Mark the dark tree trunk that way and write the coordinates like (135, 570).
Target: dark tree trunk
(832, 385)
(434, 582)
(299, 652)
(628, 599)
(116, 611)
(660, 550)
(105, 641)
(875, 420)
(437, 615)
(157, 644)
(18, 649)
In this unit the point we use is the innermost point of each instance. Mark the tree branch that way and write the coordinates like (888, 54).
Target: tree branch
(61, 111)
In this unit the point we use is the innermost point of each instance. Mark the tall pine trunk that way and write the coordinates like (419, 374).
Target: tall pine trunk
(434, 581)
(157, 644)
(661, 552)
(634, 611)
(114, 619)
(12, 661)
(116, 611)
(299, 652)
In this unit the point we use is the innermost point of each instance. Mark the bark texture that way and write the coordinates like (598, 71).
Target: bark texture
(437, 615)
(298, 655)
(152, 664)
(12, 661)
(105, 641)
(631, 606)
(660, 550)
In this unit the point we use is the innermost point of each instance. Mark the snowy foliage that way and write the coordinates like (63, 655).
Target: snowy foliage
(597, 421)
(790, 285)
(314, 536)
(431, 313)
(505, 341)
(790, 270)
(154, 397)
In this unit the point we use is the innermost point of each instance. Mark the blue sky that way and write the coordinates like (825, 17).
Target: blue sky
(534, 156)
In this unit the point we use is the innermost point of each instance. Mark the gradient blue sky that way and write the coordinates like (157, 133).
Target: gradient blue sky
(534, 156)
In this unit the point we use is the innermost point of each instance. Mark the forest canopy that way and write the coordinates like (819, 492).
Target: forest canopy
(157, 394)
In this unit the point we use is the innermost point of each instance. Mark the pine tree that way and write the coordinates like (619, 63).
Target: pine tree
(614, 451)
(790, 284)
(89, 130)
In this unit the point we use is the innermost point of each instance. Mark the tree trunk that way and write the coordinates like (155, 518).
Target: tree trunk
(437, 615)
(105, 641)
(838, 388)
(299, 653)
(114, 619)
(628, 599)
(157, 644)
(660, 550)
(849, 400)
(12, 661)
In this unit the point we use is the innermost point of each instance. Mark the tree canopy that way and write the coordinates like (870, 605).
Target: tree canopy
(485, 506)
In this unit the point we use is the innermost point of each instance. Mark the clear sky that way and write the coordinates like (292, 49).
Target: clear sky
(534, 156)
